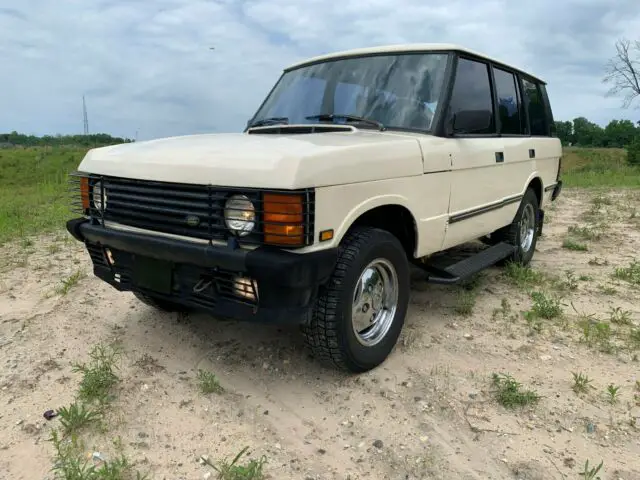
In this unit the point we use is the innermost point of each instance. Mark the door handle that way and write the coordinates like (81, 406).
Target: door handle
(499, 157)
(532, 153)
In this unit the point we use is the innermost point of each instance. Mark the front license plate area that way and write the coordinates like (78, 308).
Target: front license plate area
(153, 274)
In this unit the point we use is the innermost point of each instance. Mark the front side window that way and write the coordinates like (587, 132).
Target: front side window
(535, 108)
(509, 105)
(472, 91)
(400, 91)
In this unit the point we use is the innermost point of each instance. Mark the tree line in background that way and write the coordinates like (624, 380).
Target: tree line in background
(92, 140)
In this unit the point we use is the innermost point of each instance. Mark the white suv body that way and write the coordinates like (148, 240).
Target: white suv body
(356, 165)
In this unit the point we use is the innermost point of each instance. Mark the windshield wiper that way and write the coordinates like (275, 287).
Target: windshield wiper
(353, 118)
(269, 121)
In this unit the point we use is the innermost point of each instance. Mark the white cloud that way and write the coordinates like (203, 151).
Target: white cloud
(147, 66)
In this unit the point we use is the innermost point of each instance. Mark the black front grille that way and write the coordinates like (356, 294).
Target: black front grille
(195, 211)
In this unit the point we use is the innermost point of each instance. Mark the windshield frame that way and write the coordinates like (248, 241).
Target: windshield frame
(436, 123)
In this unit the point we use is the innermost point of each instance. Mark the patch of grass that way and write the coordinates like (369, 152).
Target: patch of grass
(601, 200)
(465, 302)
(629, 274)
(534, 322)
(522, 276)
(510, 394)
(53, 248)
(208, 382)
(598, 167)
(597, 334)
(76, 417)
(571, 244)
(612, 393)
(70, 282)
(634, 339)
(70, 463)
(34, 189)
(619, 316)
(545, 306)
(98, 376)
(607, 289)
(590, 473)
(581, 383)
(599, 262)
(585, 232)
(505, 312)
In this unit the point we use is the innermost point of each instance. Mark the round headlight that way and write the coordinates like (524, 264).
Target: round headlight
(99, 195)
(240, 215)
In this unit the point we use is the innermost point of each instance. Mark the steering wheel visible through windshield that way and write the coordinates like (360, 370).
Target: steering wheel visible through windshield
(399, 91)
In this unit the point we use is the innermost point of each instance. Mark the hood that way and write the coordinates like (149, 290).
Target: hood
(264, 159)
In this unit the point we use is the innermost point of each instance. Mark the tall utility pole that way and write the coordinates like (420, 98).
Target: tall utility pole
(84, 116)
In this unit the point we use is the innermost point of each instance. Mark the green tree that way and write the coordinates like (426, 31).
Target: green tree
(620, 133)
(587, 134)
(564, 131)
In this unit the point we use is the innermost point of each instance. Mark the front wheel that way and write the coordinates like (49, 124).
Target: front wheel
(358, 316)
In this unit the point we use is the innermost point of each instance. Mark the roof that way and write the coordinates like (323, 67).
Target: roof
(404, 48)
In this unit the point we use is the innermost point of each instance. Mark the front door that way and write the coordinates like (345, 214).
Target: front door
(477, 159)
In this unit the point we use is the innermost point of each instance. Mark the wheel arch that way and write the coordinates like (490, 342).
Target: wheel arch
(390, 213)
(535, 183)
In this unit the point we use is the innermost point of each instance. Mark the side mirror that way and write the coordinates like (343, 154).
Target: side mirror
(471, 121)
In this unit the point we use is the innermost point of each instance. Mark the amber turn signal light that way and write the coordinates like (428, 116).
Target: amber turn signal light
(283, 219)
(84, 192)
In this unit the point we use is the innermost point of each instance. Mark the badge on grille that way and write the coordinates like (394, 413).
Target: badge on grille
(193, 220)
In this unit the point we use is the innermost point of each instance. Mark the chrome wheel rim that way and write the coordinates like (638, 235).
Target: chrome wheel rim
(375, 301)
(527, 227)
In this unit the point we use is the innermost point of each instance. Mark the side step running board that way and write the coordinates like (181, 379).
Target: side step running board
(469, 266)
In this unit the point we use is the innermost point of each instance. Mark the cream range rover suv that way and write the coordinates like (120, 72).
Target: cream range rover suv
(357, 166)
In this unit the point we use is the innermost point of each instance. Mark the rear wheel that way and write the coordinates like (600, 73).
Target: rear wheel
(357, 318)
(159, 303)
(523, 231)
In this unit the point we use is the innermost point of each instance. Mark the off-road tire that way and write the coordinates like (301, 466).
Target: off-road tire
(511, 233)
(329, 332)
(159, 303)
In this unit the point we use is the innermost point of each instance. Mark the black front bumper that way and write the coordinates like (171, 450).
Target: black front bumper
(285, 283)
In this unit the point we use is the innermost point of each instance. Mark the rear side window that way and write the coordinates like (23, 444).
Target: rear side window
(472, 90)
(509, 104)
(535, 108)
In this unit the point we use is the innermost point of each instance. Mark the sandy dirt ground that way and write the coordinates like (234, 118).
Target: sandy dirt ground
(428, 412)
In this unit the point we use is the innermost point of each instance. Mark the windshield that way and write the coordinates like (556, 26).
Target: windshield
(399, 91)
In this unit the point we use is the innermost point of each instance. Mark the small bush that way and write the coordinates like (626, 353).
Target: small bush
(208, 382)
(545, 306)
(98, 376)
(509, 392)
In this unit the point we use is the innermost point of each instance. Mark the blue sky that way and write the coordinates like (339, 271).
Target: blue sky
(146, 66)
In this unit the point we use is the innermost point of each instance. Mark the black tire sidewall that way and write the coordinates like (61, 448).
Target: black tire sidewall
(529, 198)
(360, 357)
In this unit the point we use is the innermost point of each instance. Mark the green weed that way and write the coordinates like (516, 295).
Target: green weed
(76, 417)
(590, 473)
(619, 316)
(98, 376)
(599, 262)
(70, 282)
(70, 463)
(581, 383)
(208, 382)
(510, 394)
(234, 471)
(612, 393)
